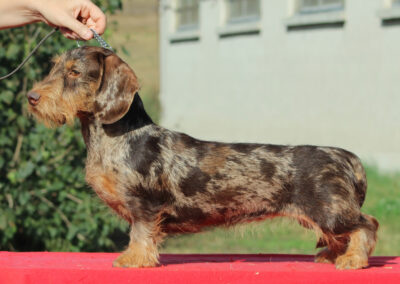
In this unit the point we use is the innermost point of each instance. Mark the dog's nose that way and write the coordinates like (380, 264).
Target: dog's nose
(33, 98)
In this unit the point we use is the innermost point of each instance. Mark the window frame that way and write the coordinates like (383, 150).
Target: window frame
(178, 13)
(390, 12)
(333, 16)
(237, 26)
(242, 18)
(320, 7)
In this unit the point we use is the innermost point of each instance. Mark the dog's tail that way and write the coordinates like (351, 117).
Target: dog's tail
(359, 179)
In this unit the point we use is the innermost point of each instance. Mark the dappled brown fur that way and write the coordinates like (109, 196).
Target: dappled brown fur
(165, 182)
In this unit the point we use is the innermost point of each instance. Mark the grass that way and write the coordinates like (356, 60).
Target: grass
(137, 30)
(286, 236)
(383, 202)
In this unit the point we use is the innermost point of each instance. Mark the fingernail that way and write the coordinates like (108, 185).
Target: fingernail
(88, 35)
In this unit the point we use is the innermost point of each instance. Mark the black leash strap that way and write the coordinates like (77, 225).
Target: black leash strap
(30, 54)
(101, 41)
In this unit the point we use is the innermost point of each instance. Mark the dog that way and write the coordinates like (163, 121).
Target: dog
(164, 182)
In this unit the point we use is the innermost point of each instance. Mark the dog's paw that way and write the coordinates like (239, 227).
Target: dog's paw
(132, 260)
(352, 261)
(325, 256)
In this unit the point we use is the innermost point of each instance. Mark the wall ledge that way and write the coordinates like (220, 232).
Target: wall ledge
(182, 36)
(231, 29)
(321, 18)
(389, 14)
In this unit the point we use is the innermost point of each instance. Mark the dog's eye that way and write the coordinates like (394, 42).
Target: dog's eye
(74, 73)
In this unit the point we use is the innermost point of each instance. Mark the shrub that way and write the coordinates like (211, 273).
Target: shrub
(44, 201)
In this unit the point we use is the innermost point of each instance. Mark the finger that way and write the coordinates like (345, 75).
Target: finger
(66, 32)
(80, 29)
(76, 36)
(91, 24)
(97, 17)
(69, 34)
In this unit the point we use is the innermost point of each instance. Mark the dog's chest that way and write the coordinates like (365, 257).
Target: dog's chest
(107, 187)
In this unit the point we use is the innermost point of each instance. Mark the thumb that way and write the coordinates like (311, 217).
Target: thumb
(82, 30)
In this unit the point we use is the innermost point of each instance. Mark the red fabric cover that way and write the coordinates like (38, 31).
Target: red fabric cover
(58, 267)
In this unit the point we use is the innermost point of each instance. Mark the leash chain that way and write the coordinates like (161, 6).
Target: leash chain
(99, 39)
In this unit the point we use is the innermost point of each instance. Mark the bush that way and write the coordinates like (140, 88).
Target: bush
(44, 201)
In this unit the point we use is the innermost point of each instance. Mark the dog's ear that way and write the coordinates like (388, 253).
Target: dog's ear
(117, 90)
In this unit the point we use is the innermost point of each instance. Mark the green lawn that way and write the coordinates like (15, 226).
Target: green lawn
(285, 236)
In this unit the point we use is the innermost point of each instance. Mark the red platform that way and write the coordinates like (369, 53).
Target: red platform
(96, 268)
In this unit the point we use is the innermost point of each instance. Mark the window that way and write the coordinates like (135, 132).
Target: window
(390, 12)
(316, 14)
(187, 14)
(243, 10)
(312, 6)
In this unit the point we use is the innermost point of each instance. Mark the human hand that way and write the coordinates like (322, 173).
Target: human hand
(75, 18)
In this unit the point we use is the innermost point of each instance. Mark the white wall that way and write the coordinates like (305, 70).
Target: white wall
(328, 86)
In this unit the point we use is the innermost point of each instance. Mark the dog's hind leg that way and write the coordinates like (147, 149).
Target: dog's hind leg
(334, 248)
(361, 245)
(350, 251)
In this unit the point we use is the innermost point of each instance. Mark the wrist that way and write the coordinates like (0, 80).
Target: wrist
(34, 8)
(15, 13)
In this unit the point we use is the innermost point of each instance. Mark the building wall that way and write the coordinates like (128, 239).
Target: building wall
(335, 85)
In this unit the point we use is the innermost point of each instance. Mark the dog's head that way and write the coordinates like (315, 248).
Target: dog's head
(84, 81)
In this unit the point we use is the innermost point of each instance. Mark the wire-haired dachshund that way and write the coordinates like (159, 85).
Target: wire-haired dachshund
(165, 182)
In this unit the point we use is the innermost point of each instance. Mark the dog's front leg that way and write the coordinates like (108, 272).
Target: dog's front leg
(142, 250)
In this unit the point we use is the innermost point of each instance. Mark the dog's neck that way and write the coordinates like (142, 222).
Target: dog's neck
(134, 119)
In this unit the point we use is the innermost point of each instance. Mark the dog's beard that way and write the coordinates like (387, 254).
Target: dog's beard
(51, 115)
